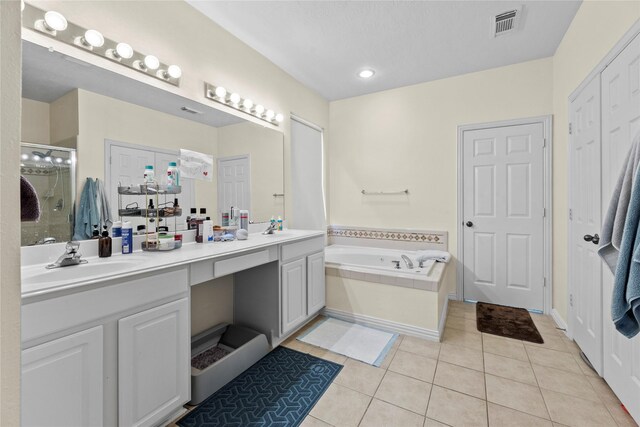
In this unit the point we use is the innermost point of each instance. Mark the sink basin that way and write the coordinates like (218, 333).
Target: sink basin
(82, 271)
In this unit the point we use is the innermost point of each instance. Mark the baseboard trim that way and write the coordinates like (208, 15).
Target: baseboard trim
(383, 324)
(559, 320)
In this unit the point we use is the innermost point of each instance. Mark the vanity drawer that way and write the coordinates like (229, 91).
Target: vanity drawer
(296, 250)
(244, 262)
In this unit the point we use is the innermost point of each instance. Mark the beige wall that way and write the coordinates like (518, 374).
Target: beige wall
(407, 138)
(10, 100)
(64, 120)
(35, 122)
(596, 28)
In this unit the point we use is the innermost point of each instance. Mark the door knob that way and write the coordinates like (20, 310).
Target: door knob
(595, 239)
(469, 224)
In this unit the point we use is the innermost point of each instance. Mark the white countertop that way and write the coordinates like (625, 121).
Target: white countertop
(37, 281)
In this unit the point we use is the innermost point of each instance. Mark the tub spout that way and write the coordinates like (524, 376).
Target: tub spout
(407, 261)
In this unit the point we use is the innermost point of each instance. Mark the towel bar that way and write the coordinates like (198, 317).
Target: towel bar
(385, 193)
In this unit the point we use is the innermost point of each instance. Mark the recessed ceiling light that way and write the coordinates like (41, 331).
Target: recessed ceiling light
(366, 73)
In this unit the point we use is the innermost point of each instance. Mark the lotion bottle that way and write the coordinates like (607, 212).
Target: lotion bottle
(127, 237)
(104, 244)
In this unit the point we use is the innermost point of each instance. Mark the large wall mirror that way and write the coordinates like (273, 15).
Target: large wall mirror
(106, 126)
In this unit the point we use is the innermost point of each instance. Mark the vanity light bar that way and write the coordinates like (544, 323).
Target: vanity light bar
(56, 26)
(234, 100)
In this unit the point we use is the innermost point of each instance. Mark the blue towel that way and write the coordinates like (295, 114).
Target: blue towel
(87, 214)
(625, 302)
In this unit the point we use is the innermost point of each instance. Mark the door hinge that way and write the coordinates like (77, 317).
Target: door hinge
(544, 212)
(570, 129)
(544, 284)
(571, 300)
(544, 142)
(570, 214)
(110, 159)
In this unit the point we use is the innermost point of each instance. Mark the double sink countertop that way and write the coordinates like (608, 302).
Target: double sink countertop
(39, 282)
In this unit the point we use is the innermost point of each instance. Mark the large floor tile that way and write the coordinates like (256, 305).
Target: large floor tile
(551, 342)
(420, 346)
(565, 382)
(392, 352)
(620, 416)
(463, 324)
(553, 359)
(464, 380)
(462, 338)
(309, 421)
(328, 355)
(433, 423)
(383, 414)
(504, 347)
(506, 367)
(576, 412)
(603, 390)
(519, 396)
(360, 377)
(462, 356)
(300, 346)
(586, 369)
(340, 406)
(500, 416)
(405, 392)
(414, 365)
(456, 409)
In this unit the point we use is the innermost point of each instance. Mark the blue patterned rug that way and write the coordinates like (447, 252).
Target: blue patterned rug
(279, 390)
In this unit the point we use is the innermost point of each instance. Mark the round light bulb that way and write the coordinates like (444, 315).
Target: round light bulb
(151, 62)
(366, 73)
(68, 161)
(94, 38)
(269, 114)
(22, 5)
(174, 71)
(234, 98)
(124, 50)
(279, 118)
(55, 21)
(58, 160)
(247, 103)
(36, 158)
(259, 110)
(221, 92)
(47, 159)
(24, 157)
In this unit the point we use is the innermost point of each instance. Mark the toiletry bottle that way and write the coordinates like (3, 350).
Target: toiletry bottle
(272, 222)
(235, 212)
(116, 229)
(244, 220)
(149, 174)
(173, 177)
(232, 220)
(200, 220)
(104, 244)
(192, 220)
(96, 233)
(127, 237)
(225, 219)
(207, 227)
(279, 224)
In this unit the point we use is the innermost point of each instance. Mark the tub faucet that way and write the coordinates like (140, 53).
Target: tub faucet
(407, 261)
(71, 256)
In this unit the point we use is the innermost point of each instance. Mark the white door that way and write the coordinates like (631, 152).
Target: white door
(234, 183)
(620, 124)
(315, 285)
(585, 300)
(62, 381)
(153, 364)
(294, 294)
(503, 200)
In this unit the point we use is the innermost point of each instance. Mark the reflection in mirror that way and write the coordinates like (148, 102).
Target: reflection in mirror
(119, 125)
(51, 172)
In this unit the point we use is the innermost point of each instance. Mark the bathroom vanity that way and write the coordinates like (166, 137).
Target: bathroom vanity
(108, 342)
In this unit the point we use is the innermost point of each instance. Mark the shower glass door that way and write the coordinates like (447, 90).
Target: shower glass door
(51, 171)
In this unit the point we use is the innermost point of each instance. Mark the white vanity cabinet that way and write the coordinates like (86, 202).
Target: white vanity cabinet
(294, 294)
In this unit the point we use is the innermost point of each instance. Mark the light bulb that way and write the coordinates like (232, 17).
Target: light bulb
(366, 73)
(47, 159)
(124, 50)
(221, 92)
(259, 110)
(234, 98)
(174, 71)
(55, 21)
(24, 157)
(151, 62)
(269, 114)
(247, 103)
(68, 161)
(58, 160)
(93, 38)
(279, 118)
(22, 5)
(36, 158)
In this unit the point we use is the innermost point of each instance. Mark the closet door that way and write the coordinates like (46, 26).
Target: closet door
(620, 124)
(585, 300)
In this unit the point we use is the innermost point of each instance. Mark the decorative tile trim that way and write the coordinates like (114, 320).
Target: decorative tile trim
(433, 237)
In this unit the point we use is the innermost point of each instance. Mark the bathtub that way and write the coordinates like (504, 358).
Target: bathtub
(377, 265)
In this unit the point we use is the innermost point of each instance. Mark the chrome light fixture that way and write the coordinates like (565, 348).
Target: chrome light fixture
(55, 25)
(234, 100)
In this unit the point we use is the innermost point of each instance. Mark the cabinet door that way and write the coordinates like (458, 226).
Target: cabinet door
(153, 364)
(315, 282)
(62, 381)
(294, 294)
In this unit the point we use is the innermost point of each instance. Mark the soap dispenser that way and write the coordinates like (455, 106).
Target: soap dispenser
(104, 244)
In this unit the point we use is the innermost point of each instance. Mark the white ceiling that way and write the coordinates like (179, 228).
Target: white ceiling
(324, 44)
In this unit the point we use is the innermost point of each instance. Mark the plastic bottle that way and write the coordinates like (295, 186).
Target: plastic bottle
(116, 229)
(279, 224)
(199, 221)
(104, 244)
(244, 220)
(173, 175)
(149, 174)
(207, 227)
(127, 238)
(192, 220)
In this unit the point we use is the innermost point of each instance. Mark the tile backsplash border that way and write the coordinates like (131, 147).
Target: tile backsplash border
(434, 239)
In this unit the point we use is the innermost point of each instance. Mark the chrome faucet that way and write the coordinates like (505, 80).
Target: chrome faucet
(46, 241)
(407, 261)
(271, 228)
(71, 256)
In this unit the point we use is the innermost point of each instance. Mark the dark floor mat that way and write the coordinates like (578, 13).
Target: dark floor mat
(507, 322)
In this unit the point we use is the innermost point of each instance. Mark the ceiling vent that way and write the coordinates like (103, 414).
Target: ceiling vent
(506, 22)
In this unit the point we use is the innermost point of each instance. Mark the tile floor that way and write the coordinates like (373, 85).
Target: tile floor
(470, 379)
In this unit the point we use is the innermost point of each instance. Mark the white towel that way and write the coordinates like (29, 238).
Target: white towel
(102, 203)
(439, 256)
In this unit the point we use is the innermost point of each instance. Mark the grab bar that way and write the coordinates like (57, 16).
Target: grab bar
(384, 193)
